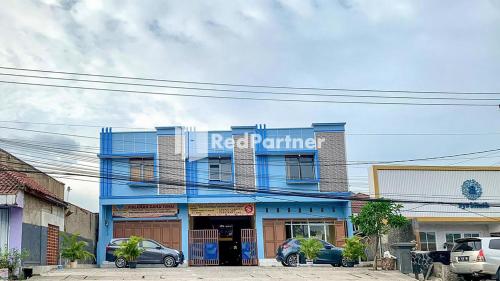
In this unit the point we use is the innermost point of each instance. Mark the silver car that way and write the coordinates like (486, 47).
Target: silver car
(476, 258)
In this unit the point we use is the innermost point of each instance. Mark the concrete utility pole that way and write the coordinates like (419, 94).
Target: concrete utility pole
(68, 189)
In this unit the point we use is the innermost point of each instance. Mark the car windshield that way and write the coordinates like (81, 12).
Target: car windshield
(467, 245)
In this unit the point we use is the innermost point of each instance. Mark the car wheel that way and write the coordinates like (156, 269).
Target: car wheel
(284, 264)
(292, 260)
(169, 261)
(344, 262)
(120, 262)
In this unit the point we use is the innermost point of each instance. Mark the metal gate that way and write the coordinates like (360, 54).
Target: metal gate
(204, 247)
(249, 247)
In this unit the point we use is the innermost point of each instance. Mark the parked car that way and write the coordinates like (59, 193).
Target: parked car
(289, 254)
(154, 253)
(476, 258)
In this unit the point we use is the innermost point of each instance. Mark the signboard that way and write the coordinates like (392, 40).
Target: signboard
(221, 210)
(144, 210)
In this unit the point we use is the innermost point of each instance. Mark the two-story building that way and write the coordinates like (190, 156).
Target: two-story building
(224, 197)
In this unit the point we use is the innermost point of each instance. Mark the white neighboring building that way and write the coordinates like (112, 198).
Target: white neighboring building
(473, 191)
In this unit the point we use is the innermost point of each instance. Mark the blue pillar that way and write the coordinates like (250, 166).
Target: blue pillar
(105, 232)
(350, 228)
(259, 228)
(184, 216)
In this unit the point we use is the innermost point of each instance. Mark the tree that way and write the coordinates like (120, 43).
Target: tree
(376, 218)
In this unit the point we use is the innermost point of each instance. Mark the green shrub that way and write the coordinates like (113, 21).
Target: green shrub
(12, 259)
(130, 250)
(73, 249)
(354, 249)
(310, 247)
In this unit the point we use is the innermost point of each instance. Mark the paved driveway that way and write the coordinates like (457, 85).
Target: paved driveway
(225, 273)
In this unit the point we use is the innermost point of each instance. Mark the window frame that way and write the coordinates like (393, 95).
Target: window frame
(426, 242)
(142, 164)
(307, 224)
(221, 173)
(301, 166)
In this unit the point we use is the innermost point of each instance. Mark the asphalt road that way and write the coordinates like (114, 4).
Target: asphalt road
(225, 273)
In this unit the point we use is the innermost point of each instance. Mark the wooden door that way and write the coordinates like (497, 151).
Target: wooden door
(274, 236)
(167, 233)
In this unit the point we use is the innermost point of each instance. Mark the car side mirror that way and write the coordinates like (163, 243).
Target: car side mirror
(328, 247)
(158, 247)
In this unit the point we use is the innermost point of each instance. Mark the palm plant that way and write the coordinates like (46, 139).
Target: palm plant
(310, 248)
(130, 250)
(74, 250)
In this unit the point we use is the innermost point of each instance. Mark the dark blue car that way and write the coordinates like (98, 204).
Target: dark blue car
(289, 254)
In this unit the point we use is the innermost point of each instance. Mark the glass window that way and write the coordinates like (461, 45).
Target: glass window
(300, 230)
(471, 235)
(220, 169)
(317, 231)
(427, 241)
(149, 244)
(495, 244)
(141, 170)
(470, 245)
(451, 237)
(299, 167)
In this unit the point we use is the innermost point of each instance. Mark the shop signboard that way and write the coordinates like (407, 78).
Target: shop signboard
(144, 210)
(221, 210)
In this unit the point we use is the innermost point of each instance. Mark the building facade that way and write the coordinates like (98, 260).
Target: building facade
(224, 197)
(33, 213)
(451, 202)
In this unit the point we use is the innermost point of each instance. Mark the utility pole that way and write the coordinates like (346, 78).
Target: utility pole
(68, 189)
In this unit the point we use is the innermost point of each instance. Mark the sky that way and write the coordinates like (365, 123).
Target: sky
(412, 45)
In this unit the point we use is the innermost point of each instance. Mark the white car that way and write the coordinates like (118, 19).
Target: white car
(476, 258)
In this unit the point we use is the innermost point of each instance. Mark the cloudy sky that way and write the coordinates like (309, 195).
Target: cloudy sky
(415, 45)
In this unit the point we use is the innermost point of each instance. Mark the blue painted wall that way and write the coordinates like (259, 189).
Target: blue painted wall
(277, 176)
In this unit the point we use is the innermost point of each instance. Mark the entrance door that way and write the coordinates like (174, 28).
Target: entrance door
(204, 247)
(249, 247)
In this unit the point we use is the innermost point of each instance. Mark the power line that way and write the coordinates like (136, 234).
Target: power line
(246, 91)
(249, 85)
(246, 98)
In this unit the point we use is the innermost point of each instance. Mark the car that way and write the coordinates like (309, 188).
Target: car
(154, 253)
(289, 254)
(476, 258)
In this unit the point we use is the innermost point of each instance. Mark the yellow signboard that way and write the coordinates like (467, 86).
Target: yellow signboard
(221, 210)
(144, 210)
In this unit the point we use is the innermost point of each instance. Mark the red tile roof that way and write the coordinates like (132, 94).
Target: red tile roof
(12, 181)
(357, 205)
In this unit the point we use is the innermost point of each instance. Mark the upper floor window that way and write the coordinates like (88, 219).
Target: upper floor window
(220, 169)
(299, 167)
(141, 170)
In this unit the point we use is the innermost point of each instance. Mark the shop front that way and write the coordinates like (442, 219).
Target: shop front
(222, 234)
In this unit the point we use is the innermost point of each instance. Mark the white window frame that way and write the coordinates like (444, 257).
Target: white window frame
(308, 224)
(219, 176)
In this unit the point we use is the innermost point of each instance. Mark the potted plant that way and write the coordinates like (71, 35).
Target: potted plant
(74, 250)
(11, 260)
(354, 249)
(130, 251)
(310, 248)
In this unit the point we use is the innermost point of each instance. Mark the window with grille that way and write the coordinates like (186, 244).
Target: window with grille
(220, 169)
(141, 170)
(299, 167)
(428, 241)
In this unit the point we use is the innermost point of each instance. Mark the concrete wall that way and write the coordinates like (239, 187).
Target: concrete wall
(244, 161)
(171, 164)
(41, 213)
(84, 223)
(47, 181)
(332, 159)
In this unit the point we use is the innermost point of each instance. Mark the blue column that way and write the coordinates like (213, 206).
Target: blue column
(350, 228)
(105, 232)
(184, 216)
(259, 228)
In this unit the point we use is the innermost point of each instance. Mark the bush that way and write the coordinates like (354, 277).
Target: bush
(73, 249)
(310, 247)
(12, 259)
(129, 250)
(354, 249)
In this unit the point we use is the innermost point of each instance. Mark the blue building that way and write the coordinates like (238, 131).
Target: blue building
(224, 197)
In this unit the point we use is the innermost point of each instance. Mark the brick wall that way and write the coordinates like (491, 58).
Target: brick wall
(332, 160)
(171, 165)
(52, 244)
(244, 163)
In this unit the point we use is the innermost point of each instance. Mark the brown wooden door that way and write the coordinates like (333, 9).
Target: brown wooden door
(340, 233)
(167, 233)
(249, 247)
(52, 244)
(274, 236)
(204, 247)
